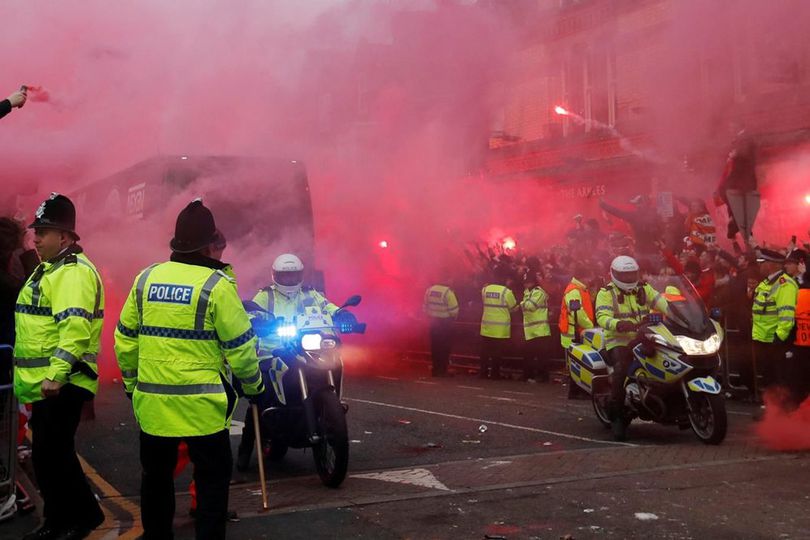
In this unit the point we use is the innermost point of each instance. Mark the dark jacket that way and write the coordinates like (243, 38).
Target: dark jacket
(5, 107)
(643, 220)
(10, 286)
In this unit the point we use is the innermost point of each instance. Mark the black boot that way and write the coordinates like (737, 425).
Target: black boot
(618, 423)
(48, 531)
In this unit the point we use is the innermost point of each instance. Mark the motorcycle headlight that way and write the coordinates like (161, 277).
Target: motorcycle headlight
(287, 331)
(328, 343)
(311, 342)
(695, 347)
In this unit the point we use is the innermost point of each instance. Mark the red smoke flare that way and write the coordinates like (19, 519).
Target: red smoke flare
(37, 93)
(784, 430)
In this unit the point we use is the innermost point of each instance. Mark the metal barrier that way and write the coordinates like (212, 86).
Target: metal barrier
(8, 449)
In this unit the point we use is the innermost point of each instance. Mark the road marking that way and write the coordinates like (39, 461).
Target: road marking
(496, 398)
(517, 393)
(416, 477)
(491, 422)
(122, 502)
(389, 498)
(425, 382)
(387, 378)
(740, 413)
(470, 387)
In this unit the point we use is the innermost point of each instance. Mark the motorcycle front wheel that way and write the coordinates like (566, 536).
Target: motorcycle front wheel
(708, 417)
(331, 454)
(600, 408)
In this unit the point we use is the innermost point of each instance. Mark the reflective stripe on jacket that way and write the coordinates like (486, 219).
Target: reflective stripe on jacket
(59, 315)
(280, 305)
(535, 313)
(614, 305)
(440, 302)
(499, 303)
(774, 308)
(178, 325)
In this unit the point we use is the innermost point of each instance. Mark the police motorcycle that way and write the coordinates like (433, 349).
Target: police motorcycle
(672, 378)
(304, 381)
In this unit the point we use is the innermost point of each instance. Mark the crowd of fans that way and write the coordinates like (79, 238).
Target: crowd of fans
(683, 244)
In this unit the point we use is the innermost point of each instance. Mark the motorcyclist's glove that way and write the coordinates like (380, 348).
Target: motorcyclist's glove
(624, 327)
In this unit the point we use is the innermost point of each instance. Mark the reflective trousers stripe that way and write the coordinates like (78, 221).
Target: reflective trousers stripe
(180, 389)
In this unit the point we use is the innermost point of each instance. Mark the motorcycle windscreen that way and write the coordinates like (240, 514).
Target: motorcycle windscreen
(686, 313)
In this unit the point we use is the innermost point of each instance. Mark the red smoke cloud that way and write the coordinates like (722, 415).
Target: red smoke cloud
(784, 430)
(389, 104)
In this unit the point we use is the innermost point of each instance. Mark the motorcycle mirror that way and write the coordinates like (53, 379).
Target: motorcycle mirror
(574, 305)
(352, 301)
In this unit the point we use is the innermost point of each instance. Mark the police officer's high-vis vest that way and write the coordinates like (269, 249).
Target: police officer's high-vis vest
(614, 305)
(535, 313)
(499, 303)
(59, 314)
(774, 309)
(179, 324)
(440, 302)
(571, 323)
(280, 305)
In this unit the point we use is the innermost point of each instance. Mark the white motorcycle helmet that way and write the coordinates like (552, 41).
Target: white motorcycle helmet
(288, 274)
(624, 273)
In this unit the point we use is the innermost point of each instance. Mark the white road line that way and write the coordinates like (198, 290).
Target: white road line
(740, 413)
(490, 422)
(496, 398)
(425, 382)
(517, 393)
(470, 387)
(387, 378)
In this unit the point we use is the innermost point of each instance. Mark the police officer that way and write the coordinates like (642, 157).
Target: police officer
(536, 329)
(620, 308)
(181, 321)
(285, 298)
(441, 306)
(774, 315)
(572, 322)
(496, 325)
(59, 314)
(800, 350)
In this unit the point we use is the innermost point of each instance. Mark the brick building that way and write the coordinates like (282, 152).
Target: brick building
(659, 88)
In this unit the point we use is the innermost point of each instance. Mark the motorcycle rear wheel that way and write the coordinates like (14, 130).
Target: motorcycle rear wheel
(708, 418)
(331, 454)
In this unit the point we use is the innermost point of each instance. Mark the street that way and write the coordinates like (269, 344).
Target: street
(468, 458)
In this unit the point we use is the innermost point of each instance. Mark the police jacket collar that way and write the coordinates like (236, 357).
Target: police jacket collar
(776, 275)
(72, 249)
(198, 259)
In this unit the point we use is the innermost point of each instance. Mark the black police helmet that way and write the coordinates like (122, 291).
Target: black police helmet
(195, 228)
(56, 212)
